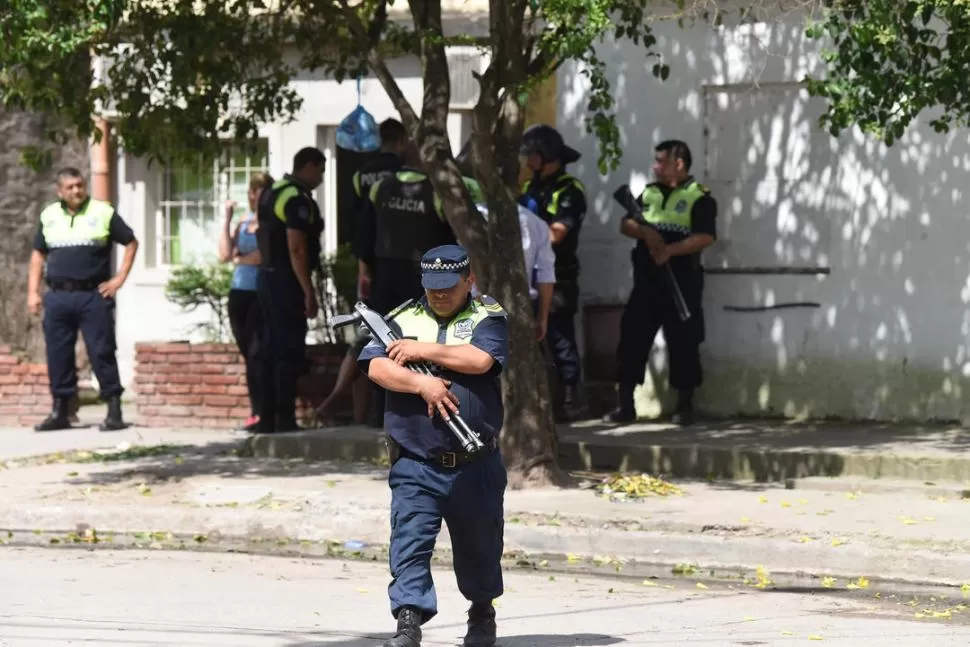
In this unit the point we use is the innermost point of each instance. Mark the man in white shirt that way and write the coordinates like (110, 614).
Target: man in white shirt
(540, 264)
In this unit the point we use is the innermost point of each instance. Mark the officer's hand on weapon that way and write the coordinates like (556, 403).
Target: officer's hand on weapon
(34, 303)
(109, 288)
(403, 351)
(660, 255)
(310, 305)
(435, 392)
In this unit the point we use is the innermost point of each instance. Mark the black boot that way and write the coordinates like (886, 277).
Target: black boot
(408, 629)
(481, 625)
(57, 419)
(113, 421)
(571, 406)
(684, 413)
(624, 411)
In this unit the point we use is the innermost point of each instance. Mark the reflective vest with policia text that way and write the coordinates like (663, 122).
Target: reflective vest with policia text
(409, 215)
(674, 217)
(567, 259)
(91, 227)
(274, 239)
(420, 323)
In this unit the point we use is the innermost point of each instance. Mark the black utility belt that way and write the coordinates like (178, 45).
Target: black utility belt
(450, 460)
(73, 286)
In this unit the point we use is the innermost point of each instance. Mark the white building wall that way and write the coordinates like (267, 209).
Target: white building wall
(889, 336)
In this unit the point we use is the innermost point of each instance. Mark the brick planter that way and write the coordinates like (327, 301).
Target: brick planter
(24, 393)
(204, 385)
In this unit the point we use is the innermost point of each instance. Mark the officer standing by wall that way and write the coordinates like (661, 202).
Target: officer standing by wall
(288, 237)
(560, 199)
(431, 477)
(678, 221)
(75, 238)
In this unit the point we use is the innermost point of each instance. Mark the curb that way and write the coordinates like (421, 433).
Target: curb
(334, 523)
(695, 460)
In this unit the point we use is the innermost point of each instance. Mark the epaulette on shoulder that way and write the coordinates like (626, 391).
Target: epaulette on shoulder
(401, 308)
(492, 307)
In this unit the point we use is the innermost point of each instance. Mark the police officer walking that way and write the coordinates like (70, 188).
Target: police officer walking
(74, 238)
(288, 237)
(677, 222)
(560, 199)
(431, 477)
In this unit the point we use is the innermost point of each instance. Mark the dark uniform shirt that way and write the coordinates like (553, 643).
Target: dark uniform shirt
(82, 257)
(288, 204)
(703, 220)
(480, 396)
(404, 218)
(381, 167)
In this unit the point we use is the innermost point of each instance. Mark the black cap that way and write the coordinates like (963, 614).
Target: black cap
(548, 143)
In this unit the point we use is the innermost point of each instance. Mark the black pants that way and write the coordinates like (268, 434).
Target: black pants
(650, 308)
(561, 339)
(66, 313)
(283, 358)
(246, 321)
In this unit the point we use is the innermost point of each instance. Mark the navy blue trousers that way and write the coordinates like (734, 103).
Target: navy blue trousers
(471, 501)
(66, 313)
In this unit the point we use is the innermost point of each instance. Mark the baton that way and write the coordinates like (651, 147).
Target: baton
(624, 196)
(383, 333)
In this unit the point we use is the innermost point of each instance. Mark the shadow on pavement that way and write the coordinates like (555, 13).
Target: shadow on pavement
(175, 462)
(528, 640)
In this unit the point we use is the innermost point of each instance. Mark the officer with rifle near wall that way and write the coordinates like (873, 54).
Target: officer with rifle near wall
(560, 199)
(677, 220)
(289, 231)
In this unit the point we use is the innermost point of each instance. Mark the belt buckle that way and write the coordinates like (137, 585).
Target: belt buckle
(449, 460)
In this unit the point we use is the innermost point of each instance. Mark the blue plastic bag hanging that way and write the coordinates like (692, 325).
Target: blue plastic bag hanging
(358, 131)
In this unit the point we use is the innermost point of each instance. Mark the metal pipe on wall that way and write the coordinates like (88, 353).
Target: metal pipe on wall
(101, 188)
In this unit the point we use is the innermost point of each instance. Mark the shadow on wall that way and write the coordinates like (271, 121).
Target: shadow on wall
(830, 249)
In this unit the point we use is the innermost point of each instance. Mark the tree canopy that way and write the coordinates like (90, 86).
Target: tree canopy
(888, 61)
(184, 75)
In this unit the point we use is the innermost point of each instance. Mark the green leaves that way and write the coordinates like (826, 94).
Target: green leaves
(889, 61)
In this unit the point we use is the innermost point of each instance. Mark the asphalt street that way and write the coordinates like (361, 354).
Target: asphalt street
(54, 597)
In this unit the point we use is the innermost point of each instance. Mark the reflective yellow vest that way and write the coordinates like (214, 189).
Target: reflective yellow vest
(90, 227)
(674, 216)
(417, 321)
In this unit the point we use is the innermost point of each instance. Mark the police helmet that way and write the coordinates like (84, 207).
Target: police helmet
(548, 143)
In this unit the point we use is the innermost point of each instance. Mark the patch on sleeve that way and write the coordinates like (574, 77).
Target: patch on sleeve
(492, 307)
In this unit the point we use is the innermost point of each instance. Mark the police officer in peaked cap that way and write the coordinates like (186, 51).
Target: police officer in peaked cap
(74, 240)
(431, 477)
(560, 199)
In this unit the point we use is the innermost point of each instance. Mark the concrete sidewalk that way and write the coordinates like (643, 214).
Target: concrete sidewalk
(204, 493)
(758, 450)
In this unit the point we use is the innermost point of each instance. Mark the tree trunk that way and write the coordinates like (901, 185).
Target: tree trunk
(25, 193)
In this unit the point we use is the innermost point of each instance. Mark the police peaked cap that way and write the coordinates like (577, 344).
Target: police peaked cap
(549, 144)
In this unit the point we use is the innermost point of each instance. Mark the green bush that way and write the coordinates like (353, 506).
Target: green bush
(192, 286)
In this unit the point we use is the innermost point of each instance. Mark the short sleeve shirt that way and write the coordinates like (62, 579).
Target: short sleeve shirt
(480, 396)
(82, 260)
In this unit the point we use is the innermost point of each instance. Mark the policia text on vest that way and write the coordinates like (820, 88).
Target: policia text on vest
(74, 240)
(402, 220)
(289, 244)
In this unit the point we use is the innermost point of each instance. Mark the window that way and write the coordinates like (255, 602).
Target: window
(192, 201)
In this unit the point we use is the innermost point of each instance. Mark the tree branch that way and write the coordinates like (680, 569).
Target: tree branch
(379, 65)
